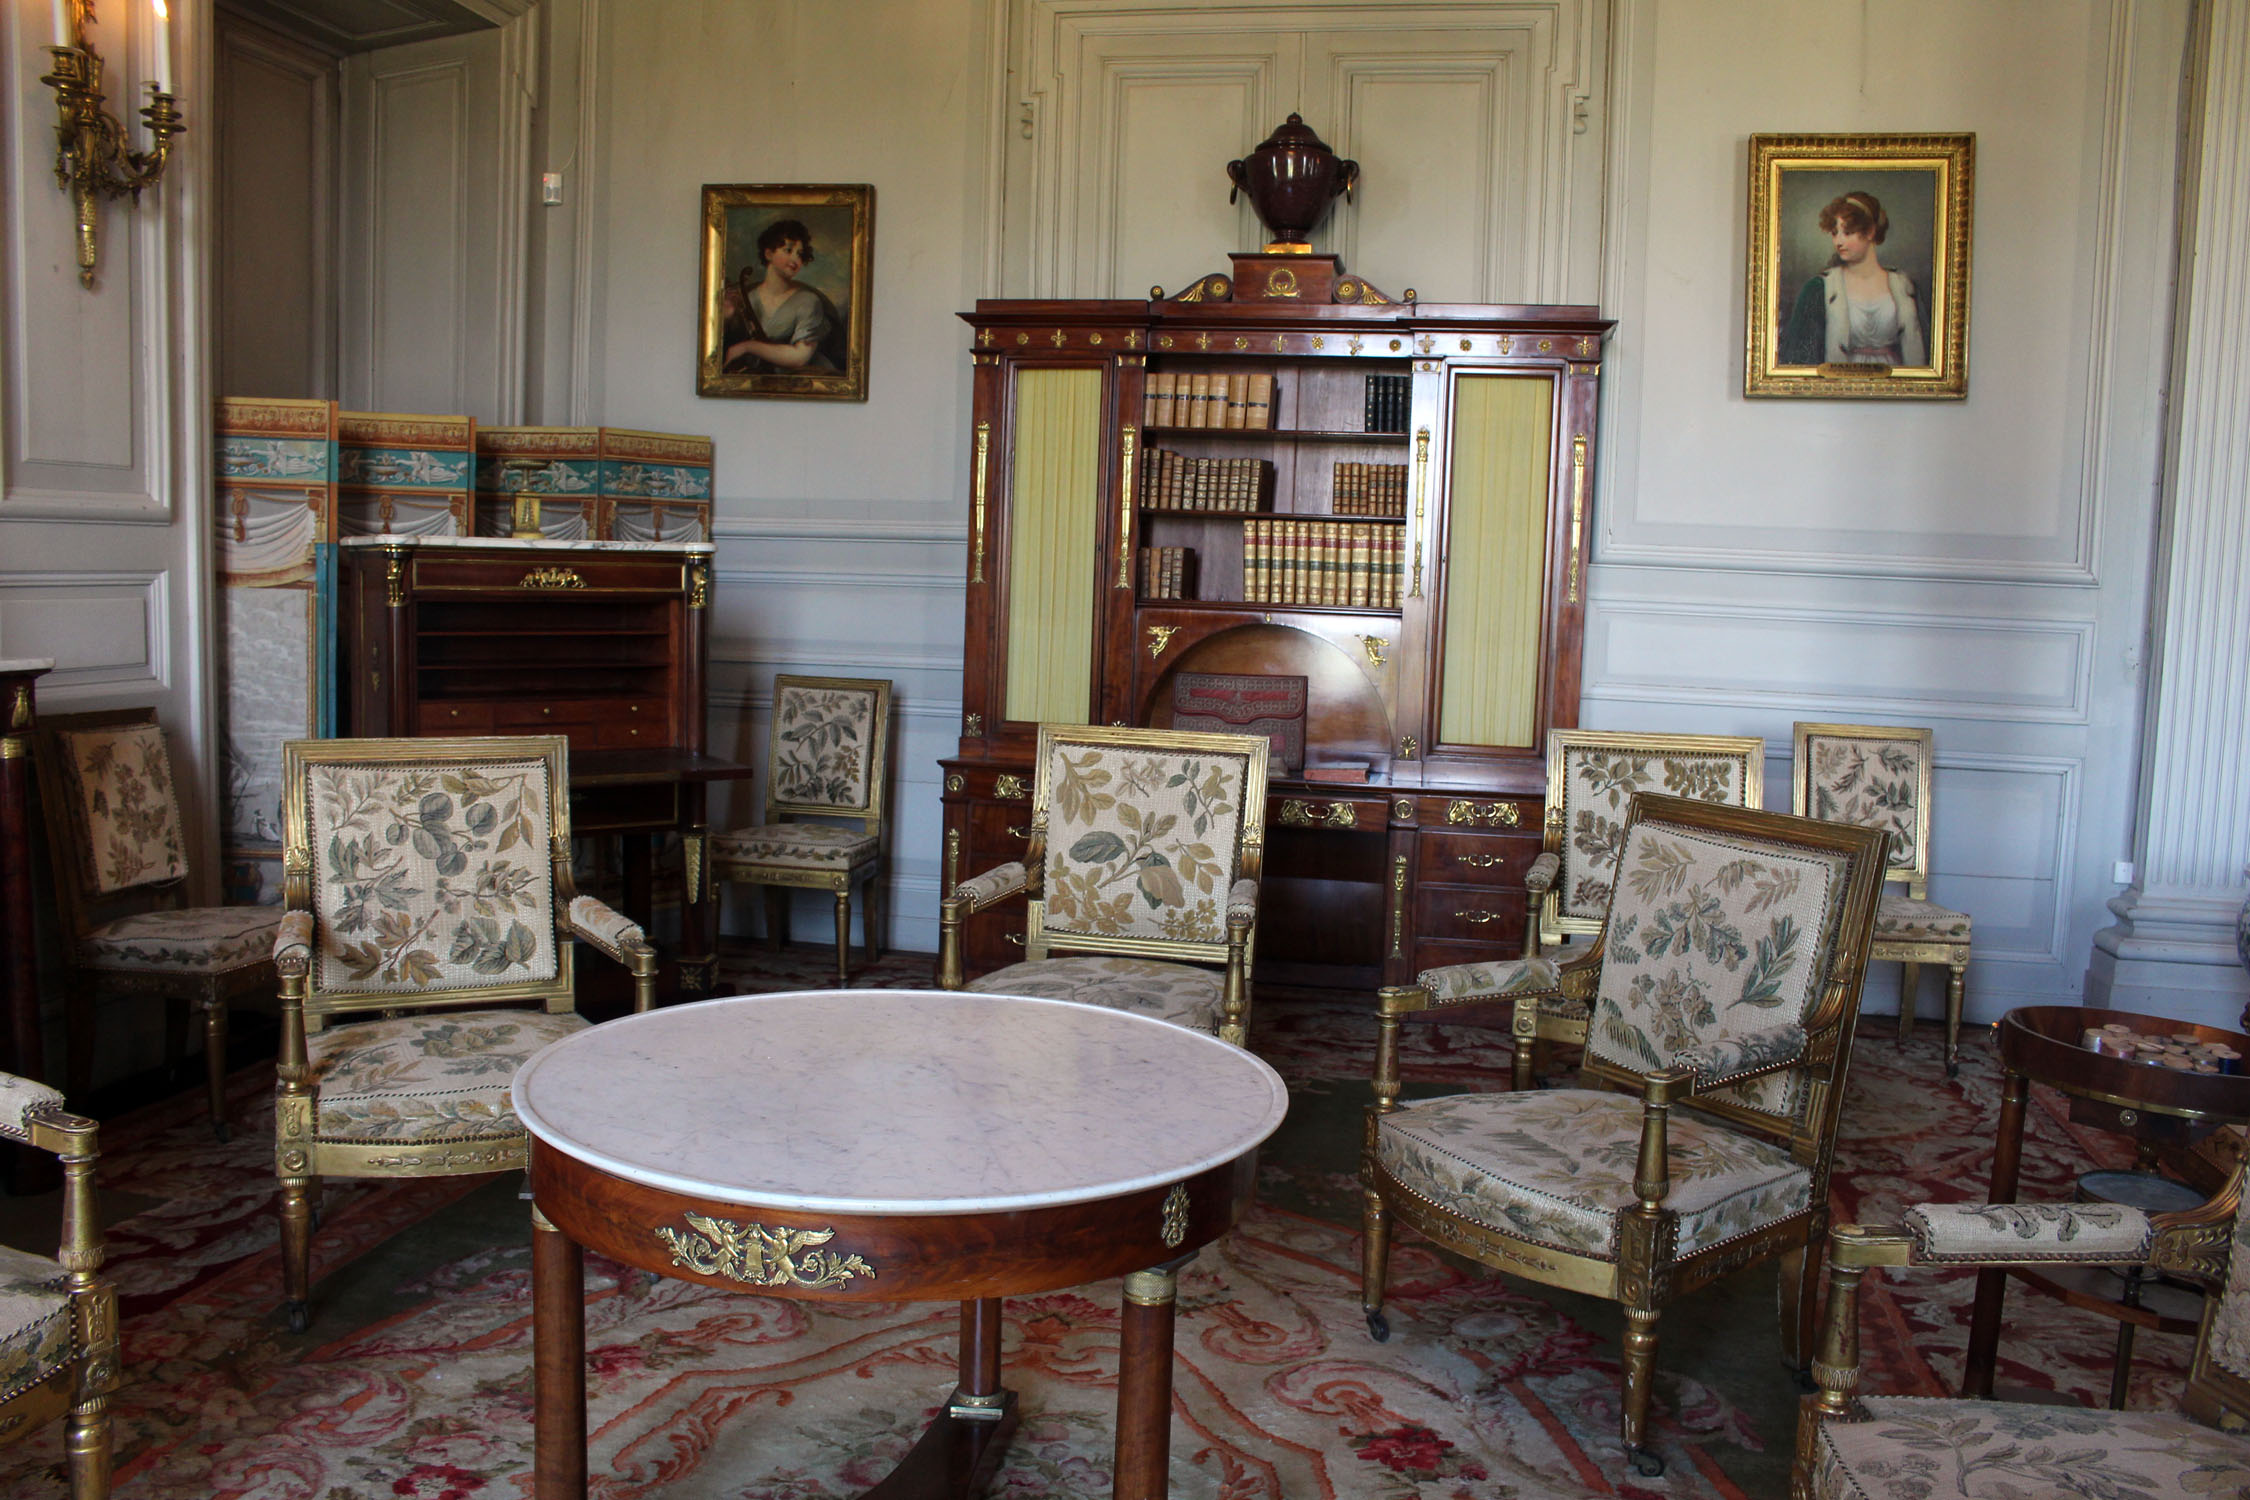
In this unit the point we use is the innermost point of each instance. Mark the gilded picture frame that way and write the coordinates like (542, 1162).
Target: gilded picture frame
(1858, 277)
(785, 296)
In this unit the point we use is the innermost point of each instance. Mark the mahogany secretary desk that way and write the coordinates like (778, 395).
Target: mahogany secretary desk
(1442, 678)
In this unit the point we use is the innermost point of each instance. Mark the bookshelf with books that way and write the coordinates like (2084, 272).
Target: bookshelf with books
(1387, 500)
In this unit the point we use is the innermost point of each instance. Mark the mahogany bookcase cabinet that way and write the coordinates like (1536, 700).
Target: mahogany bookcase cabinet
(1443, 681)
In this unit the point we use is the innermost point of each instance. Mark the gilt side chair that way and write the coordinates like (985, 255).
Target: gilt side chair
(424, 953)
(1142, 870)
(121, 874)
(1879, 775)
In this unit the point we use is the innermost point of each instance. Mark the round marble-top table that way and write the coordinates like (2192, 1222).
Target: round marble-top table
(893, 1145)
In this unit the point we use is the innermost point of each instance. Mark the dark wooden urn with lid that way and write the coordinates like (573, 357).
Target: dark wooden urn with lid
(1292, 178)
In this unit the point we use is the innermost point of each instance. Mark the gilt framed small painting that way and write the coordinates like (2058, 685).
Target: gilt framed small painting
(785, 292)
(1858, 281)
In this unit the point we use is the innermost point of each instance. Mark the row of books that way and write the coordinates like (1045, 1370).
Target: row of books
(1321, 562)
(1357, 489)
(1207, 398)
(1388, 397)
(1175, 481)
(1167, 572)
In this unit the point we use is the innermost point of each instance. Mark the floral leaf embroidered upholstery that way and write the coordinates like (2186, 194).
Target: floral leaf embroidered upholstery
(35, 1320)
(1184, 995)
(1713, 938)
(1875, 783)
(1598, 785)
(1142, 842)
(2101, 1233)
(19, 1099)
(1713, 1062)
(791, 846)
(2230, 1321)
(1918, 1448)
(983, 890)
(1509, 976)
(606, 928)
(1556, 1166)
(1242, 900)
(292, 943)
(429, 879)
(185, 940)
(823, 742)
(441, 1076)
(1903, 919)
(1541, 875)
(123, 806)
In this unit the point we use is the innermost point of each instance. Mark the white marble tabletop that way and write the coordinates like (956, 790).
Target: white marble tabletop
(898, 1101)
(27, 664)
(525, 544)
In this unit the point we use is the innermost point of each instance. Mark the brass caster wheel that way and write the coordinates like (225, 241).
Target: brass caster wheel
(300, 1315)
(1647, 1462)
(1378, 1326)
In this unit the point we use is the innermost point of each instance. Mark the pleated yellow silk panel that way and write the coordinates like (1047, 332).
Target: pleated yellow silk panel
(1496, 560)
(1053, 508)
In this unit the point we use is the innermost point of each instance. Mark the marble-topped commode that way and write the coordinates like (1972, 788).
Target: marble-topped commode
(526, 544)
(898, 1101)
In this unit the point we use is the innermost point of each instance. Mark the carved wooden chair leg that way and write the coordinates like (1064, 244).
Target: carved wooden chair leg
(1799, 1297)
(215, 1062)
(777, 916)
(1375, 1263)
(296, 1253)
(1640, 1383)
(87, 1441)
(844, 936)
(1956, 984)
(1909, 981)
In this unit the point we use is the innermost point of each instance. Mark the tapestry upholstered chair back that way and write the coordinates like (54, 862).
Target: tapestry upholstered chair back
(426, 883)
(1719, 1003)
(58, 1313)
(121, 877)
(826, 783)
(1851, 1447)
(1591, 775)
(1878, 776)
(1145, 851)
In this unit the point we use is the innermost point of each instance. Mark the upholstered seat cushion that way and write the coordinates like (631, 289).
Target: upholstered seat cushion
(1906, 920)
(194, 940)
(1917, 1448)
(794, 846)
(1556, 1166)
(1190, 997)
(34, 1319)
(429, 1077)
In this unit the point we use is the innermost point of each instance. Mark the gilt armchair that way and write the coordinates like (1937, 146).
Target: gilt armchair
(825, 767)
(1851, 1447)
(1723, 992)
(1142, 872)
(58, 1317)
(424, 954)
(1879, 775)
(121, 874)
(1591, 775)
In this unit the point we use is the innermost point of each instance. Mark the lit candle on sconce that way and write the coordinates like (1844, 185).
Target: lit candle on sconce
(166, 68)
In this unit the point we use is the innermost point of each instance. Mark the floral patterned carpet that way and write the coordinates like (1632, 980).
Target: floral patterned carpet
(415, 1380)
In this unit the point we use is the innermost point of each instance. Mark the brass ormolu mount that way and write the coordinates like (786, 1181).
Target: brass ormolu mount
(93, 159)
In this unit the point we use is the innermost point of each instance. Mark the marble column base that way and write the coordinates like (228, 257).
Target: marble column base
(2171, 953)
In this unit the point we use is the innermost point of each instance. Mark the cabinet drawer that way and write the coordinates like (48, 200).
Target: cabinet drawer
(1470, 913)
(594, 574)
(628, 734)
(1474, 858)
(998, 832)
(1340, 813)
(453, 718)
(544, 718)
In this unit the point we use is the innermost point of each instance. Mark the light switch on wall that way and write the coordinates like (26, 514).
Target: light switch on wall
(550, 188)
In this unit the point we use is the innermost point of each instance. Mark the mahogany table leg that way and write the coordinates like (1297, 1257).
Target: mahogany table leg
(558, 1343)
(980, 1354)
(1144, 1385)
(1992, 1286)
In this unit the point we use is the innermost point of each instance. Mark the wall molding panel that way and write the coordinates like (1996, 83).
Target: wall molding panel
(101, 629)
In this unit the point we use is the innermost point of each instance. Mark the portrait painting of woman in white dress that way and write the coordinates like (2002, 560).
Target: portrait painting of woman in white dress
(785, 284)
(1856, 311)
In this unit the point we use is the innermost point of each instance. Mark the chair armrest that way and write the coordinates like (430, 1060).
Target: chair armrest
(1464, 984)
(24, 1101)
(596, 922)
(994, 885)
(1540, 878)
(292, 943)
(1731, 1060)
(1992, 1235)
(1242, 904)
